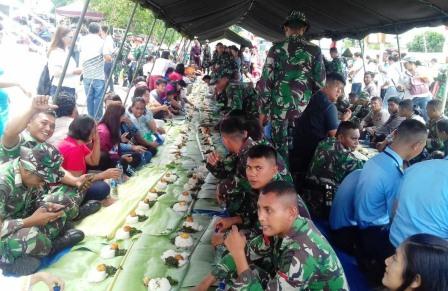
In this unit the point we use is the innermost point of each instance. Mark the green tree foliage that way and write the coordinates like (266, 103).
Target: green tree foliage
(117, 14)
(429, 41)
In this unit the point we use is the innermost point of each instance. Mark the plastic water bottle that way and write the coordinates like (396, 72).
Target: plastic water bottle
(120, 167)
(114, 187)
(221, 286)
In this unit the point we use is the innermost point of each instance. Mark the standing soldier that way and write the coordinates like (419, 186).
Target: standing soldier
(29, 231)
(293, 71)
(206, 57)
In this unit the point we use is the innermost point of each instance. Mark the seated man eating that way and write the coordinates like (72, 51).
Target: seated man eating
(291, 254)
(333, 160)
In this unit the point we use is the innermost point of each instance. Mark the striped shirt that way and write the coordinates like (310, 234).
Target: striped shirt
(91, 57)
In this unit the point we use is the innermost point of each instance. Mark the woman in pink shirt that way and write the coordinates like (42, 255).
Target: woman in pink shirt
(77, 156)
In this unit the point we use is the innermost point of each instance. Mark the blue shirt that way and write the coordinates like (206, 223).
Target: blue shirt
(377, 188)
(342, 212)
(422, 202)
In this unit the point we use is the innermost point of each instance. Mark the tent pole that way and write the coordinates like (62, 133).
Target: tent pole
(186, 51)
(182, 49)
(361, 45)
(399, 52)
(160, 45)
(109, 79)
(141, 57)
(172, 40)
(177, 51)
(72, 47)
(445, 94)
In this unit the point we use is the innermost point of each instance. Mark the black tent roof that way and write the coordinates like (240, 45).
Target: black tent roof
(230, 35)
(334, 19)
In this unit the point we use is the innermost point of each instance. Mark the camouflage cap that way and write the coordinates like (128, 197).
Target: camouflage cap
(43, 160)
(364, 96)
(295, 17)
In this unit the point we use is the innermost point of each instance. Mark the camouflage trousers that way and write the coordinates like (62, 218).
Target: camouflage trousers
(34, 241)
(64, 195)
(280, 137)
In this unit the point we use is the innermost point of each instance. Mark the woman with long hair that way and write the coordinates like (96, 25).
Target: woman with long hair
(114, 145)
(420, 263)
(57, 54)
(78, 156)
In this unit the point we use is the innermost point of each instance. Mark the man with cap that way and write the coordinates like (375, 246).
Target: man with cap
(293, 72)
(31, 229)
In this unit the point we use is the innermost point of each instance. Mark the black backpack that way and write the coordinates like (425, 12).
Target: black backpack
(44, 85)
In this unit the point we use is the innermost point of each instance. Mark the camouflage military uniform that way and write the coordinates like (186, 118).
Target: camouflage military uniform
(336, 65)
(206, 59)
(302, 260)
(293, 72)
(243, 97)
(331, 163)
(56, 193)
(224, 168)
(18, 202)
(361, 109)
(433, 143)
(232, 188)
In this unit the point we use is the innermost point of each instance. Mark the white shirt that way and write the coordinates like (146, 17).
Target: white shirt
(108, 45)
(394, 73)
(147, 68)
(359, 68)
(91, 49)
(56, 61)
(160, 67)
(15, 283)
(60, 130)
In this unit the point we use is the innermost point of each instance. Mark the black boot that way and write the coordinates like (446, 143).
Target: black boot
(90, 207)
(68, 239)
(22, 266)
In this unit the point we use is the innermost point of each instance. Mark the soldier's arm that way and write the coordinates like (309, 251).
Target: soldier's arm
(319, 72)
(266, 83)
(7, 226)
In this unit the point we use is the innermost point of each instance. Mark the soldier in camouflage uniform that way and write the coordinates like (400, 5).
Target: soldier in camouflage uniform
(243, 97)
(360, 108)
(206, 57)
(22, 231)
(435, 114)
(236, 141)
(293, 72)
(261, 168)
(336, 65)
(290, 255)
(333, 160)
(35, 126)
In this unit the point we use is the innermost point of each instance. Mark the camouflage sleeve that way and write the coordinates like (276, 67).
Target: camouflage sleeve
(266, 83)
(318, 71)
(224, 168)
(7, 226)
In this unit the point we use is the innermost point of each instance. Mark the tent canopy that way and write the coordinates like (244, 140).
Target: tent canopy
(333, 19)
(75, 10)
(230, 35)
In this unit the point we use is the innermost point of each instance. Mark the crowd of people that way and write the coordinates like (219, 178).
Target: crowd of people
(293, 164)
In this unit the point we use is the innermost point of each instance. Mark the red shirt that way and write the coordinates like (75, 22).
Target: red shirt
(74, 155)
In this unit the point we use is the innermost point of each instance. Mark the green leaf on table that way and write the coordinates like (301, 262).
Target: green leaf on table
(120, 252)
(172, 262)
(172, 281)
(85, 249)
(142, 218)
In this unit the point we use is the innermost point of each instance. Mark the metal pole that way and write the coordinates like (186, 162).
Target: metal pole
(72, 47)
(186, 50)
(181, 48)
(399, 52)
(109, 79)
(171, 41)
(141, 57)
(362, 55)
(445, 94)
(158, 48)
